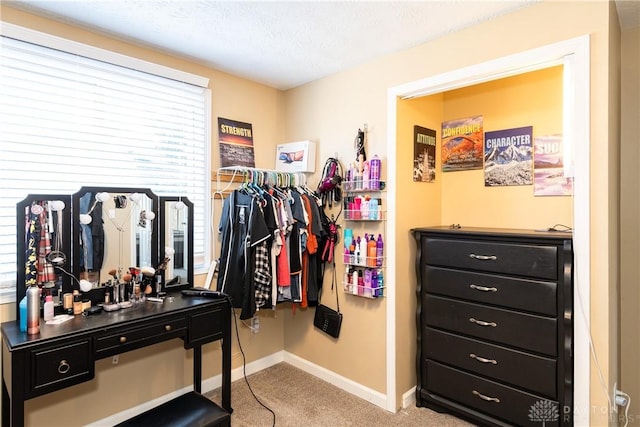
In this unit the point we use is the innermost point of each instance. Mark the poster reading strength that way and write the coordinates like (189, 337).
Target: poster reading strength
(508, 157)
(236, 143)
(424, 154)
(549, 175)
(462, 142)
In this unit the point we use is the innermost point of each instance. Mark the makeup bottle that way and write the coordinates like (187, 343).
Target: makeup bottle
(77, 304)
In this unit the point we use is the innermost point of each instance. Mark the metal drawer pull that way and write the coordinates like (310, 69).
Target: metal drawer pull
(167, 328)
(483, 288)
(487, 398)
(63, 367)
(482, 322)
(123, 340)
(483, 257)
(482, 359)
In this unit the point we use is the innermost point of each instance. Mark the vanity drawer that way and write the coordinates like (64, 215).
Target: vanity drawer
(60, 366)
(536, 296)
(143, 335)
(524, 370)
(510, 258)
(207, 326)
(526, 331)
(495, 399)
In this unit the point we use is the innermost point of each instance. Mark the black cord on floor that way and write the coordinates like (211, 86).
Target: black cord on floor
(244, 364)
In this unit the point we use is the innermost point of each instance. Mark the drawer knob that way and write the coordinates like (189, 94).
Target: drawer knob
(123, 340)
(482, 322)
(485, 397)
(63, 367)
(167, 328)
(482, 359)
(483, 257)
(483, 288)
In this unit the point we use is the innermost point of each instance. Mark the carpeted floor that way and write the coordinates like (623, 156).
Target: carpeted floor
(301, 399)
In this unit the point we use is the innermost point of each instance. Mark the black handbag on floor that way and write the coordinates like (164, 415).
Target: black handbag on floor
(327, 319)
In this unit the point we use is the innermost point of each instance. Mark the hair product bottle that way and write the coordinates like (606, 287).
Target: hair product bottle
(33, 310)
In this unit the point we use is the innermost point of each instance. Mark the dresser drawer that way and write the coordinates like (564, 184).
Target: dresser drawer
(526, 331)
(523, 370)
(536, 296)
(60, 366)
(140, 336)
(498, 400)
(510, 258)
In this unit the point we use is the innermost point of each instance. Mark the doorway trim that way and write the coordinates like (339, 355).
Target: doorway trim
(576, 54)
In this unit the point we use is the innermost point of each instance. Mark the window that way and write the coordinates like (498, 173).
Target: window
(89, 118)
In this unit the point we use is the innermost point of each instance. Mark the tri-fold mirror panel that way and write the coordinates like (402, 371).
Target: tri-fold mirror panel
(101, 235)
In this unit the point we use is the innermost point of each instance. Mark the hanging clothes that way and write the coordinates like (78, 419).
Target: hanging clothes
(243, 228)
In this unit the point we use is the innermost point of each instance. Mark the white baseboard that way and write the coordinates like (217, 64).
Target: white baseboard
(409, 398)
(212, 383)
(370, 395)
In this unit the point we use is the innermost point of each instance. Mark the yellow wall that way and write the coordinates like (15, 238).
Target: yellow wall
(419, 204)
(532, 99)
(630, 221)
(134, 381)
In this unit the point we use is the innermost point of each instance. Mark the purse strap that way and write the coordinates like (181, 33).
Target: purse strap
(333, 282)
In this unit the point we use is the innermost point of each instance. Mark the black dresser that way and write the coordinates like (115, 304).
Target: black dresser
(495, 325)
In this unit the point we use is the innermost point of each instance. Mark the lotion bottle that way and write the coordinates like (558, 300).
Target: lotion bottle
(48, 308)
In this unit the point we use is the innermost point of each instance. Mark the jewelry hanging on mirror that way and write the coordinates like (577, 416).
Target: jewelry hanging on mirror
(56, 256)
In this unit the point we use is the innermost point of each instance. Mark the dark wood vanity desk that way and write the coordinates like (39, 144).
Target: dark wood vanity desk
(64, 355)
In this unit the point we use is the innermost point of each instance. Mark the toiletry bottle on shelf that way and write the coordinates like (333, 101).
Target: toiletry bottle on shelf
(380, 287)
(354, 282)
(374, 172)
(365, 175)
(374, 283)
(48, 308)
(371, 252)
(367, 283)
(379, 257)
(33, 310)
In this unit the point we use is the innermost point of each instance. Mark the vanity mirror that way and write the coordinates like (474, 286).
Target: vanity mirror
(113, 229)
(176, 241)
(43, 243)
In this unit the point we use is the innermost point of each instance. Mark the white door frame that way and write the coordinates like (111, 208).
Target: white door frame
(575, 55)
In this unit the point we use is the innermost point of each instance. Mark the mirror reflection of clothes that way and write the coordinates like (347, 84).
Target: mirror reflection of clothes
(92, 235)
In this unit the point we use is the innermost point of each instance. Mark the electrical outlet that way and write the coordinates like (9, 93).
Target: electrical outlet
(115, 359)
(620, 398)
(255, 324)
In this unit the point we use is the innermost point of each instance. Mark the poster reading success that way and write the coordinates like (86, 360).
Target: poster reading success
(424, 154)
(462, 142)
(236, 143)
(549, 174)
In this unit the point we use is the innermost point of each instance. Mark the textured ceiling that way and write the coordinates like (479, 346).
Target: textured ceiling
(280, 44)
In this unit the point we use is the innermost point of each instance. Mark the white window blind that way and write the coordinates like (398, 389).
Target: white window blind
(68, 121)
